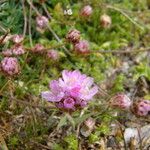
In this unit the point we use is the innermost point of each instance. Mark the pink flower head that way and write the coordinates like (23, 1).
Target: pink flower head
(82, 47)
(41, 21)
(71, 91)
(121, 101)
(38, 48)
(7, 52)
(17, 38)
(105, 21)
(86, 11)
(18, 50)
(73, 36)
(141, 108)
(10, 66)
(53, 54)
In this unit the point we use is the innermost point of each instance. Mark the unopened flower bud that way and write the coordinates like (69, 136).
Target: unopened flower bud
(141, 107)
(86, 11)
(7, 52)
(38, 48)
(121, 101)
(105, 21)
(41, 21)
(73, 36)
(10, 66)
(69, 103)
(17, 38)
(18, 50)
(53, 54)
(82, 47)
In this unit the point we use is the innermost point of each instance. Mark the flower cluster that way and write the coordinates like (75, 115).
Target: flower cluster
(10, 66)
(72, 91)
(105, 20)
(80, 46)
(122, 101)
(16, 50)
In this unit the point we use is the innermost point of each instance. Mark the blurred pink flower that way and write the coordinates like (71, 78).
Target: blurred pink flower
(10, 66)
(82, 47)
(141, 108)
(86, 11)
(73, 36)
(17, 38)
(121, 101)
(41, 21)
(7, 52)
(18, 50)
(38, 48)
(71, 91)
(53, 54)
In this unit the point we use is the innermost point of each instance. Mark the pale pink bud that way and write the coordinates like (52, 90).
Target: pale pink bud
(90, 123)
(18, 50)
(105, 21)
(7, 52)
(17, 38)
(41, 21)
(86, 11)
(53, 54)
(73, 36)
(82, 47)
(38, 48)
(141, 108)
(10, 66)
(121, 101)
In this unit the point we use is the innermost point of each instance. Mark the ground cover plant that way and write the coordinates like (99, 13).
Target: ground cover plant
(74, 75)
